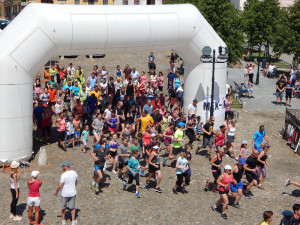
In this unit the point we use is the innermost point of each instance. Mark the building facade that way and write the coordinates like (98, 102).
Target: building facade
(239, 4)
(2, 9)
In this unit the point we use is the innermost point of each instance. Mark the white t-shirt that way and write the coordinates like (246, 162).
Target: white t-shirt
(227, 88)
(271, 68)
(69, 179)
(134, 76)
(107, 113)
(103, 72)
(103, 87)
(72, 70)
(192, 108)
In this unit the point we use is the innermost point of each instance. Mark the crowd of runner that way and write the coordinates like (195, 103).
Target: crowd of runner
(134, 123)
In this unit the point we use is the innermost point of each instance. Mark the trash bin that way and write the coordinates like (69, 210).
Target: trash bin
(264, 63)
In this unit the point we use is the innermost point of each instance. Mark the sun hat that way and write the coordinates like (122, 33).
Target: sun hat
(14, 164)
(242, 161)
(227, 167)
(244, 142)
(66, 163)
(35, 173)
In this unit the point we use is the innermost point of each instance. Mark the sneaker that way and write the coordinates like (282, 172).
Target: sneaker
(183, 191)
(74, 148)
(246, 195)
(165, 162)
(260, 187)
(224, 216)
(214, 208)
(93, 187)
(120, 179)
(115, 172)
(175, 191)
(124, 186)
(63, 222)
(17, 218)
(74, 222)
(207, 155)
(236, 206)
(11, 216)
(226, 155)
(206, 186)
(96, 188)
(236, 158)
(146, 187)
(158, 190)
(288, 182)
(137, 195)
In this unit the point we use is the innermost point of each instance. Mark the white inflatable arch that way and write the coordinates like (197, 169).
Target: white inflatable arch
(42, 31)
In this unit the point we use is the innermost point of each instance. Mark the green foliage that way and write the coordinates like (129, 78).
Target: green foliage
(225, 20)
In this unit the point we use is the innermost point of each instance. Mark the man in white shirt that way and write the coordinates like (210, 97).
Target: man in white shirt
(271, 68)
(103, 74)
(71, 69)
(134, 75)
(67, 183)
(192, 108)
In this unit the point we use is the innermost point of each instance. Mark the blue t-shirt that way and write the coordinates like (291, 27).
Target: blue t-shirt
(92, 104)
(85, 135)
(76, 90)
(133, 164)
(93, 82)
(258, 137)
(148, 109)
(67, 86)
(38, 113)
(171, 77)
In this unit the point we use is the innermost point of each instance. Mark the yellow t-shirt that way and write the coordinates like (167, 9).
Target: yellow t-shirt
(263, 223)
(146, 120)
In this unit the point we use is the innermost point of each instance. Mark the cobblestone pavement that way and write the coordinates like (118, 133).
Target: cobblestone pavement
(114, 206)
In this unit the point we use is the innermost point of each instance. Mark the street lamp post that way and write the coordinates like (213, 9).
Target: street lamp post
(257, 74)
(207, 58)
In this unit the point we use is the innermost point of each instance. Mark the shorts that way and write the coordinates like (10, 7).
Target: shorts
(176, 151)
(113, 129)
(250, 177)
(257, 147)
(122, 165)
(38, 124)
(46, 130)
(38, 90)
(279, 94)
(198, 131)
(216, 175)
(234, 188)
(77, 133)
(96, 132)
(230, 139)
(84, 142)
(101, 168)
(261, 171)
(68, 200)
(167, 143)
(288, 95)
(34, 201)
(207, 141)
(70, 136)
(223, 192)
(61, 135)
(135, 177)
(113, 154)
(153, 169)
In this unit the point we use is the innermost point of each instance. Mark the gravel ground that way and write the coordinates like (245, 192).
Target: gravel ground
(115, 206)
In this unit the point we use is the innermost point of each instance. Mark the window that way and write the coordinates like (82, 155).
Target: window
(105, 2)
(136, 2)
(91, 2)
(125, 2)
(77, 2)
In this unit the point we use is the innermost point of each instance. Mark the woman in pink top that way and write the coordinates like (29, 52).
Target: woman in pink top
(144, 77)
(219, 137)
(251, 72)
(61, 128)
(224, 181)
(34, 197)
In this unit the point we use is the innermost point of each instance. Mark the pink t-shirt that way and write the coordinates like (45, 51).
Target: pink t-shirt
(61, 125)
(34, 189)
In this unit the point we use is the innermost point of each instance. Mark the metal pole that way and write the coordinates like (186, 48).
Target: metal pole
(213, 85)
(257, 75)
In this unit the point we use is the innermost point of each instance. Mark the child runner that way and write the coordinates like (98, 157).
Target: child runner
(268, 217)
(133, 167)
(99, 155)
(243, 150)
(85, 138)
(224, 181)
(199, 126)
(70, 132)
(77, 127)
(123, 155)
(181, 172)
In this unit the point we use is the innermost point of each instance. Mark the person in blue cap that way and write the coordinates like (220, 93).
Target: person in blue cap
(237, 190)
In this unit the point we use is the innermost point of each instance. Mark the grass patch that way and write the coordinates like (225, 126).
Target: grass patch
(235, 104)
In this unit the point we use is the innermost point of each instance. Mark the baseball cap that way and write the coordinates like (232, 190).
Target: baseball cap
(244, 142)
(227, 167)
(35, 173)
(242, 161)
(181, 124)
(66, 163)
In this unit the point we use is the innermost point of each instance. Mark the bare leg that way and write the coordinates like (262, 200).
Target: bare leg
(37, 214)
(30, 213)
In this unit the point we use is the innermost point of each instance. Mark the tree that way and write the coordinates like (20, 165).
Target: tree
(225, 20)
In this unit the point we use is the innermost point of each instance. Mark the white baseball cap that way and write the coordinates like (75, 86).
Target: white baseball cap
(227, 167)
(35, 173)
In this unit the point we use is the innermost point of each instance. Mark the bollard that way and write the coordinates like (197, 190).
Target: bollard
(42, 161)
(62, 57)
(91, 56)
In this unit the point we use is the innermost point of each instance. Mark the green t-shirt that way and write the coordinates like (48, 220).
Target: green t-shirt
(85, 135)
(53, 83)
(134, 148)
(178, 135)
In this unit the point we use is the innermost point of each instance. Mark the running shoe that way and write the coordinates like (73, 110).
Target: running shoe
(93, 187)
(63, 222)
(158, 190)
(124, 185)
(214, 208)
(224, 216)
(74, 222)
(115, 172)
(17, 218)
(142, 172)
(137, 195)
(246, 195)
(96, 188)
(146, 187)
(207, 155)
(236, 206)
(74, 148)
(183, 191)
(260, 187)
(165, 162)
(119, 179)
(206, 185)
(288, 182)
(175, 191)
